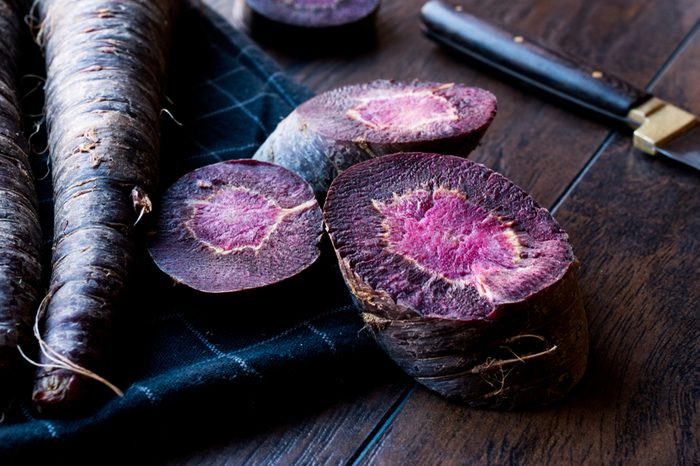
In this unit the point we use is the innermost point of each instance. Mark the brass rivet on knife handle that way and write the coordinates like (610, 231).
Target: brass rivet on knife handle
(659, 122)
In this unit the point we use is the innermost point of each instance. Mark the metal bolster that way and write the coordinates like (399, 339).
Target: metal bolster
(658, 122)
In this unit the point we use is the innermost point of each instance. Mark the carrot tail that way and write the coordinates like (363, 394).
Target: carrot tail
(20, 236)
(106, 64)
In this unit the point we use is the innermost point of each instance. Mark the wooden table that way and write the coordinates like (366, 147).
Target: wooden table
(634, 222)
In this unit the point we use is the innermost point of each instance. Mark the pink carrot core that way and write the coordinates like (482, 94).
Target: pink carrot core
(233, 219)
(394, 109)
(446, 234)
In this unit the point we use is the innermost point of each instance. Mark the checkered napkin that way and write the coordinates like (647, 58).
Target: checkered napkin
(187, 361)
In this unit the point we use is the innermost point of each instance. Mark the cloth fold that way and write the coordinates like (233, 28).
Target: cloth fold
(184, 359)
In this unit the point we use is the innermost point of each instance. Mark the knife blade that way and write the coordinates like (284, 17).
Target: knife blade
(660, 128)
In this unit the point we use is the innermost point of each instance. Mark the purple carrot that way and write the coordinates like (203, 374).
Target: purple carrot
(465, 281)
(236, 225)
(20, 236)
(106, 66)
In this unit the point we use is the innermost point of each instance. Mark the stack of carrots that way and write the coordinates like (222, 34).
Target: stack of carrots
(105, 71)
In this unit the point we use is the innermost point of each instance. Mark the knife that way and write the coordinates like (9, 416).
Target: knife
(660, 128)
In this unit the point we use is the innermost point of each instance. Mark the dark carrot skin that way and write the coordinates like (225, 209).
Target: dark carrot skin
(20, 236)
(106, 65)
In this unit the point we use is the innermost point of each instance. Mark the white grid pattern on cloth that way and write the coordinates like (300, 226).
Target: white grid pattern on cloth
(236, 105)
(147, 392)
(219, 354)
(216, 154)
(50, 427)
(252, 56)
(323, 335)
(260, 343)
(253, 59)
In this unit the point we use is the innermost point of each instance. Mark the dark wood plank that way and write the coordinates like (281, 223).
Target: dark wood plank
(634, 224)
(525, 59)
(323, 434)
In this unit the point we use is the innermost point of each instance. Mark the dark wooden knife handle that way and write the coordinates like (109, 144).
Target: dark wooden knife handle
(521, 58)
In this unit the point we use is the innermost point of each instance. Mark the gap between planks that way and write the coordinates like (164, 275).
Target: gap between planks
(682, 45)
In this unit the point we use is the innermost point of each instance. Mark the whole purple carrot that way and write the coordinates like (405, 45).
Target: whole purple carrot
(20, 236)
(106, 65)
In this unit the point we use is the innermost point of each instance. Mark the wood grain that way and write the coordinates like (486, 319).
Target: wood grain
(320, 434)
(634, 225)
(523, 59)
(542, 147)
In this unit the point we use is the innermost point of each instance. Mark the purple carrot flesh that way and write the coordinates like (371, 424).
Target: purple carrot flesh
(314, 13)
(236, 225)
(308, 26)
(106, 65)
(20, 236)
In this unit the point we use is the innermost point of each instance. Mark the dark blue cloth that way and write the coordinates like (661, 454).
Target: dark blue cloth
(185, 360)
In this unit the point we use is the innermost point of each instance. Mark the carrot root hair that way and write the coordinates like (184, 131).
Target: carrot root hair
(58, 361)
